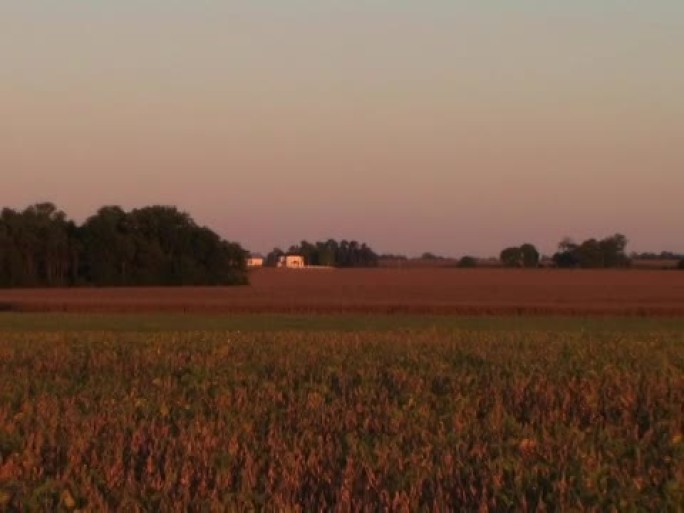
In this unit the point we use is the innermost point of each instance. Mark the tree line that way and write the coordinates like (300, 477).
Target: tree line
(154, 245)
(329, 253)
(160, 245)
(608, 252)
(593, 253)
(663, 255)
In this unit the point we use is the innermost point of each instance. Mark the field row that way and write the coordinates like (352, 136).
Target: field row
(405, 291)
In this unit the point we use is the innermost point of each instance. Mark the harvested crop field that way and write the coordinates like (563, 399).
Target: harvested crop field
(418, 291)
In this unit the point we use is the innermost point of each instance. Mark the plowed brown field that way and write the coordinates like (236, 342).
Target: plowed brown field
(437, 291)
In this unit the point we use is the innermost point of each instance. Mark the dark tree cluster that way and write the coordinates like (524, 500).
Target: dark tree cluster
(157, 245)
(663, 255)
(467, 262)
(522, 256)
(431, 256)
(329, 253)
(593, 253)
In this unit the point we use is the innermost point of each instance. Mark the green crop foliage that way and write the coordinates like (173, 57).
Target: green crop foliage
(429, 419)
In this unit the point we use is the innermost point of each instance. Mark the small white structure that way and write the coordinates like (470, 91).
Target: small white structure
(255, 261)
(291, 261)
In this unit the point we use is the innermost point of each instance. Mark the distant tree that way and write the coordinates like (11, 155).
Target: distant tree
(368, 257)
(512, 257)
(392, 260)
(467, 262)
(326, 252)
(338, 254)
(156, 245)
(308, 250)
(273, 256)
(663, 255)
(36, 247)
(593, 253)
(567, 244)
(390, 256)
(109, 247)
(613, 251)
(590, 255)
(530, 255)
(523, 256)
(566, 256)
(681, 264)
(12, 265)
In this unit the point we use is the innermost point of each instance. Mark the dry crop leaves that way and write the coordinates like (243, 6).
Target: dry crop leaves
(400, 421)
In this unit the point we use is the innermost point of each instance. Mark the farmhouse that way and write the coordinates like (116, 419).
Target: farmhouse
(291, 261)
(255, 261)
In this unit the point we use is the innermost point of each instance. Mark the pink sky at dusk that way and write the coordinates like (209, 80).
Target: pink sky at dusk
(414, 126)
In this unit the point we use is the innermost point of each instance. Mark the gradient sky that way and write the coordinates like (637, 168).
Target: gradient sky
(436, 125)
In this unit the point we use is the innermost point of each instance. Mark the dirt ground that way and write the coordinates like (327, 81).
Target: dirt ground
(417, 291)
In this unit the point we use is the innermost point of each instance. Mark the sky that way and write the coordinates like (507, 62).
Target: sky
(456, 127)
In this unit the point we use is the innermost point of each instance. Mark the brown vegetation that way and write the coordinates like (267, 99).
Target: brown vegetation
(438, 291)
(396, 422)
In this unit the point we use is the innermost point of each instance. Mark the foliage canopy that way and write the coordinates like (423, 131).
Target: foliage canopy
(155, 245)
(523, 256)
(593, 253)
(329, 253)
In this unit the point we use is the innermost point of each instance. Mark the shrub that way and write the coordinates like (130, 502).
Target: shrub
(467, 262)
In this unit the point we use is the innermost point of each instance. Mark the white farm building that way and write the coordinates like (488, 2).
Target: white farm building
(291, 261)
(255, 261)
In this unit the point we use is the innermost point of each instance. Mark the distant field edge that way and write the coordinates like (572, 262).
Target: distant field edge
(355, 309)
(53, 322)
